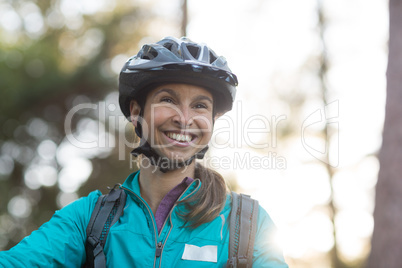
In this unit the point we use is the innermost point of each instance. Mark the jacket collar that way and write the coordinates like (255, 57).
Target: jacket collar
(132, 183)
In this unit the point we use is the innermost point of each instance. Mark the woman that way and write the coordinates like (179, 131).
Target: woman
(176, 211)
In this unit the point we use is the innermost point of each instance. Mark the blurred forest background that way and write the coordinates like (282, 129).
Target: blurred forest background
(54, 56)
(62, 134)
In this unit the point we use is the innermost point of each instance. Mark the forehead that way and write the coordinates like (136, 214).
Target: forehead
(180, 90)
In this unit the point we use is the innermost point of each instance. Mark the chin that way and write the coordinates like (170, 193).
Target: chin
(177, 156)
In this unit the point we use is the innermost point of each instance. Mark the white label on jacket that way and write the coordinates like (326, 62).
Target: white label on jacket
(205, 253)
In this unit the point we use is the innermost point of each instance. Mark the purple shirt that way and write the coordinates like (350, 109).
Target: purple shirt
(169, 200)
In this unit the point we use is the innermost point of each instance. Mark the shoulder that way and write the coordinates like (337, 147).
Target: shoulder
(76, 215)
(264, 221)
(266, 247)
(82, 207)
(266, 252)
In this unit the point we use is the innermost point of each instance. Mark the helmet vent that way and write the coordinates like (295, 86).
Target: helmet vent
(168, 46)
(212, 57)
(172, 47)
(149, 53)
(194, 51)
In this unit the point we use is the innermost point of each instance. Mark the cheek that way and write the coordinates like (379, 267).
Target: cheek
(205, 124)
(159, 116)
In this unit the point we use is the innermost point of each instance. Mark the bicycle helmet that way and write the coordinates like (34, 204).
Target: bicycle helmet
(173, 60)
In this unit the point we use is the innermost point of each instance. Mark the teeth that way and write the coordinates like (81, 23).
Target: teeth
(179, 137)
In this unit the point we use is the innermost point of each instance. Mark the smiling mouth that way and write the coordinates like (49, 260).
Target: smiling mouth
(179, 137)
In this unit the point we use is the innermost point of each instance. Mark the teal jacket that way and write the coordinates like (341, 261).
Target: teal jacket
(133, 239)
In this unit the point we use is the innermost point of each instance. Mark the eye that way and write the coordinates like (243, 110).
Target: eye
(167, 99)
(200, 106)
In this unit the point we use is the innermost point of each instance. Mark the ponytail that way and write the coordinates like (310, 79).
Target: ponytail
(206, 204)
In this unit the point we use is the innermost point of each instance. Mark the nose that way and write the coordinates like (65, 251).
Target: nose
(183, 117)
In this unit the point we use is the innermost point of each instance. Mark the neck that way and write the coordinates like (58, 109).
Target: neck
(154, 184)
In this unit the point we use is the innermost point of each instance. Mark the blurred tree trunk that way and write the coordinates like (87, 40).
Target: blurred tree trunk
(184, 18)
(387, 237)
(327, 131)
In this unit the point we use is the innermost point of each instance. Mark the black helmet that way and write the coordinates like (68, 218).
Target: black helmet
(173, 60)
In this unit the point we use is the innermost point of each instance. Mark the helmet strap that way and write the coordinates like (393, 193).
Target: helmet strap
(164, 163)
(138, 128)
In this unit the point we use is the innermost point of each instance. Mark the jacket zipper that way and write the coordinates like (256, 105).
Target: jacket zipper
(175, 204)
(169, 217)
(158, 246)
(158, 249)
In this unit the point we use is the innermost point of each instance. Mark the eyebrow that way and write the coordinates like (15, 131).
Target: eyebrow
(167, 90)
(202, 97)
(172, 92)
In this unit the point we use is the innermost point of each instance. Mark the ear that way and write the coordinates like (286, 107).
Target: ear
(135, 110)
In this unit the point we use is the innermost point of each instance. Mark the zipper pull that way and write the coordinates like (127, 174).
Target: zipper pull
(158, 249)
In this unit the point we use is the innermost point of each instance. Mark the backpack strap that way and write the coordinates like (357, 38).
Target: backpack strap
(243, 227)
(107, 211)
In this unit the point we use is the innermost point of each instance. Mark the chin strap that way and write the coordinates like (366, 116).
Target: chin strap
(164, 163)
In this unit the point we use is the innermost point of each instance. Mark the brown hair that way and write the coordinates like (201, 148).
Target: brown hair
(206, 204)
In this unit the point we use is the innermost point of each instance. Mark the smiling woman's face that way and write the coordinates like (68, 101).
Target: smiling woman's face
(178, 119)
